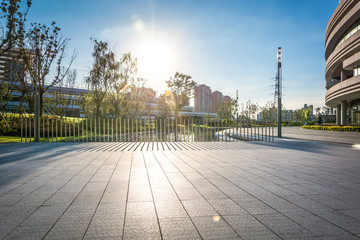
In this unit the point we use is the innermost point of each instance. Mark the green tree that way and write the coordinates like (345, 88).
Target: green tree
(5, 94)
(164, 104)
(138, 96)
(13, 17)
(268, 112)
(103, 73)
(226, 110)
(250, 110)
(180, 91)
(12, 22)
(121, 84)
(48, 69)
(86, 104)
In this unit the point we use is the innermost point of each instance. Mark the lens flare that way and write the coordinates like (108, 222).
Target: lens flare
(139, 25)
(216, 218)
(356, 146)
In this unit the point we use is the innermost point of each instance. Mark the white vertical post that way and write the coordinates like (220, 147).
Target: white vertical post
(279, 76)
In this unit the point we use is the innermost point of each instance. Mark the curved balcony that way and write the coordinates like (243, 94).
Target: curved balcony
(346, 90)
(344, 16)
(347, 49)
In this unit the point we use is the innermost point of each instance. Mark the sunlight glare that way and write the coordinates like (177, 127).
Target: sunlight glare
(356, 146)
(216, 218)
(139, 25)
(155, 58)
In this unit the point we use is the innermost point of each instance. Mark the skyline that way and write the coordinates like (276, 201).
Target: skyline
(228, 46)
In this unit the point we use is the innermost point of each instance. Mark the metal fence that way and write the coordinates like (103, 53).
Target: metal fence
(141, 129)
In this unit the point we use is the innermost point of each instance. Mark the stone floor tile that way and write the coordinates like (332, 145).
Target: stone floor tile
(248, 227)
(214, 228)
(141, 228)
(315, 224)
(140, 210)
(178, 228)
(227, 207)
(254, 206)
(199, 208)
(283, 227)
(220, 190)
(170, 209)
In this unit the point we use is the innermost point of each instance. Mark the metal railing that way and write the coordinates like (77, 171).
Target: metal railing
(141, 129)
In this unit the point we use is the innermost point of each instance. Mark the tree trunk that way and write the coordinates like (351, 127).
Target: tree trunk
(97, 111)
(176, 125)
(41, 105)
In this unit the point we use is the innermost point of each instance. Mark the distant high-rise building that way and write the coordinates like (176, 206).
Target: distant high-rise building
(216, 100)
(227, 99)
(202, 98)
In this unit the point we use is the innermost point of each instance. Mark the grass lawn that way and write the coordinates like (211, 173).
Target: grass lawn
(13, 139)
(9, 139)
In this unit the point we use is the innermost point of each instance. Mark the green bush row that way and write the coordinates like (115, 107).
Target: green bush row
(334, 128)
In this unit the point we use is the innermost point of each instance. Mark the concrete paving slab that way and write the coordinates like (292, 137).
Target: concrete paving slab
(301, 187)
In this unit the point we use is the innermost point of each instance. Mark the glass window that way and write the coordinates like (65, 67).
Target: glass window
(351, 31)
(357, 70)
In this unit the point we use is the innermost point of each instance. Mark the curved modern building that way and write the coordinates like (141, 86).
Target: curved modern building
(342, 69)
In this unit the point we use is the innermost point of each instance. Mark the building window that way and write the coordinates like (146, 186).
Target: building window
(351, 31)
(357, 70)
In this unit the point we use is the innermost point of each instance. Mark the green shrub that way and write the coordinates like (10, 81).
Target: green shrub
(292, 124)
(10, 126)
(333, 128)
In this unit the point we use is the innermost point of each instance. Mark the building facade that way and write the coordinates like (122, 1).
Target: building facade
(227, 99)
(202, 100)
(287, 116)
(216, 100)
(342, 55)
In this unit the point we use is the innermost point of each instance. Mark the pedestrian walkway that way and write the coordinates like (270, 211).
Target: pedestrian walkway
(288, 189)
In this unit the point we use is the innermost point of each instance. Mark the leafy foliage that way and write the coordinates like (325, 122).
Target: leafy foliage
(180, 91)
(120, 85)
(47, 69)
(226, 110)
(102, 75)
(13, 17)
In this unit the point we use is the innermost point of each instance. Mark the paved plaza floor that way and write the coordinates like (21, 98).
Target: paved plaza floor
(302, 187)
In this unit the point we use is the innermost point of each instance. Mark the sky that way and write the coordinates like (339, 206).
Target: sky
(228, 45)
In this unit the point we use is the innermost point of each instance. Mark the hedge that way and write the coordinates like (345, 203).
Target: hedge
(333, 128)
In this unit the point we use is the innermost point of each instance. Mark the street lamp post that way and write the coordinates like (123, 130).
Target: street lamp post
(237, 110)
(279, 56)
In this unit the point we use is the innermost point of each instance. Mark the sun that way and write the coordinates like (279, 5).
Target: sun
(156, 57)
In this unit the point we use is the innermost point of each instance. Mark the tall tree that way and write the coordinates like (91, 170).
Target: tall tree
(13, 17)
(12, 21)
(226, 110)
(180, 91)
(47, 69)
(120, 84)
(164, 103)
(103, 73)
(268, 112)
(138, 96)
(86, 104)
